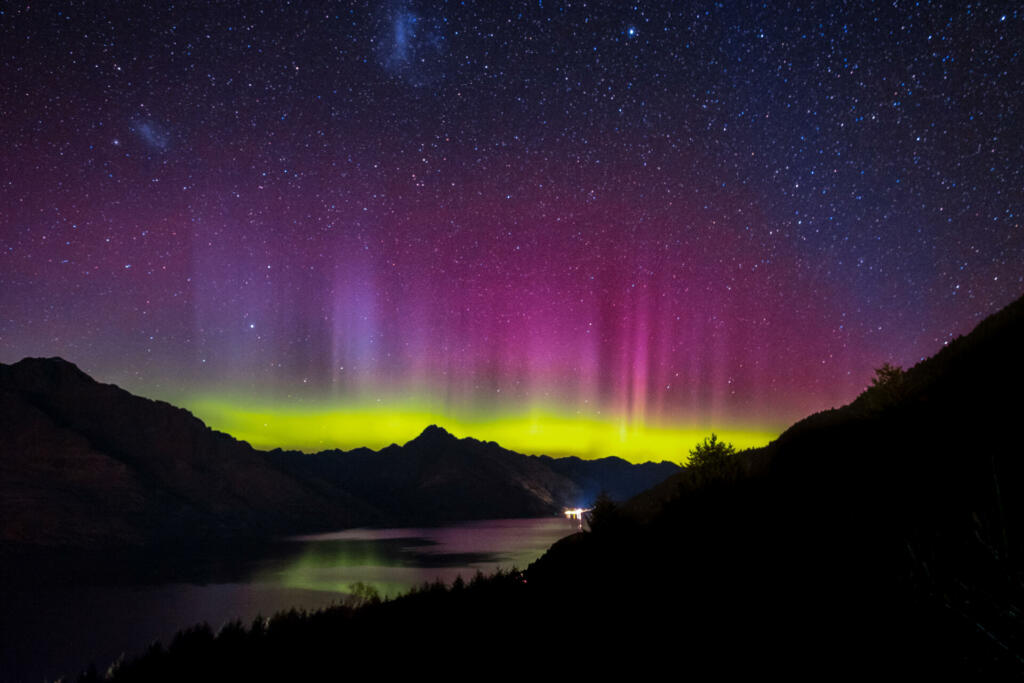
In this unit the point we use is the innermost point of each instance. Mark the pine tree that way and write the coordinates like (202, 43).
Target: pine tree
(711, 454)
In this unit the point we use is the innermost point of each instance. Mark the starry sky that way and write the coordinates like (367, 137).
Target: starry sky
(590, 227)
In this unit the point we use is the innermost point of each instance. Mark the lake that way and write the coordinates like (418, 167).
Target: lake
(49, 628)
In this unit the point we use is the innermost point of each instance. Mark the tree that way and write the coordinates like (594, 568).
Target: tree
(603, 514)
(360, 594)
(888, 376)
(887, 385)
(711, 454)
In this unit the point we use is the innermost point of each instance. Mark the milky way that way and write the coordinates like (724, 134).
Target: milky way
(584, 228)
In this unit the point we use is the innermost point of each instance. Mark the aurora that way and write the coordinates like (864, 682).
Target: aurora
(539, 431)
(572, 230)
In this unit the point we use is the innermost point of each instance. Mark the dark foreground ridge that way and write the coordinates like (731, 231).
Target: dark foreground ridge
(89, 465)
(883, 538)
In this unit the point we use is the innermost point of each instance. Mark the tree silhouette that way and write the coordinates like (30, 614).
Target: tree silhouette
(887, 375)
(888, 384)
(711, 454)
(361, 593)
(603, 515)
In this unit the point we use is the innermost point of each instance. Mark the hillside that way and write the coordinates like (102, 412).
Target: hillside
(891, 529)
(90, 465)
(973, 382)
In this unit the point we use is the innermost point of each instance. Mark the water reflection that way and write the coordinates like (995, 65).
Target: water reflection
(395, 560)
(52, 627)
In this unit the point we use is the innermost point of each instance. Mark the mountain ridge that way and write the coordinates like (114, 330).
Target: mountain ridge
(890, 529)
(985, 353)
(90, 464)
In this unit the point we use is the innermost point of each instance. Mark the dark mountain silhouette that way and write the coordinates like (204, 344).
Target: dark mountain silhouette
(614, 476)
(884, 536)
(889, 531)
(967, 395)
(90, 465)
(439, 477)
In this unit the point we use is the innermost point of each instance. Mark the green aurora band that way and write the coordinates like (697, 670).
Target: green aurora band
(538, 429)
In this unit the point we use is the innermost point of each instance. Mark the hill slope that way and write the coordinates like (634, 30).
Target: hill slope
(85, 464)
(889, 529)
(89, 464)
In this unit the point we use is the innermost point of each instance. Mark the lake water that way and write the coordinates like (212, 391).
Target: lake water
(57, 628)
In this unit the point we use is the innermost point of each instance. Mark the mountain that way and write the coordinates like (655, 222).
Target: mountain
(884, 538)
(85, 464)
(441, 478)
(967, 396)
(886, 533)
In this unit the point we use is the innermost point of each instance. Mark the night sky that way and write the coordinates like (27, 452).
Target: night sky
(592, 228)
